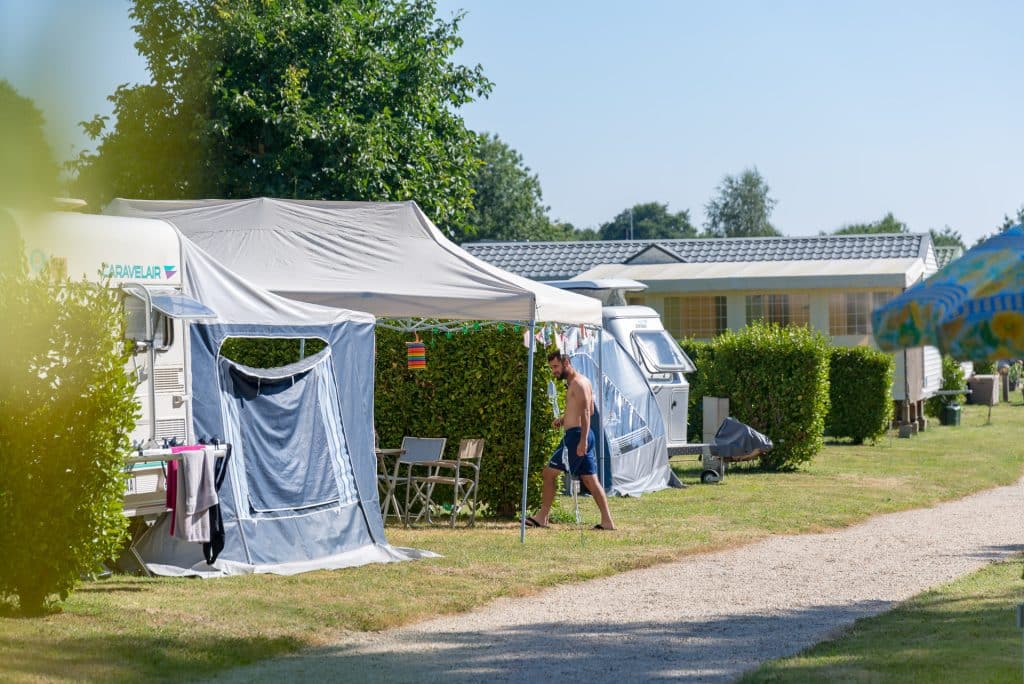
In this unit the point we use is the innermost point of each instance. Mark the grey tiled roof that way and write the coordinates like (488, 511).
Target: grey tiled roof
(558, 260)
(947, 253)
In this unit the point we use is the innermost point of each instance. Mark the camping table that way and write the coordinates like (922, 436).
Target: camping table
(390, 478)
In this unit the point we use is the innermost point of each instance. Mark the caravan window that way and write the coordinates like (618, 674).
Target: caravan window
(661, 353)
(163, 327)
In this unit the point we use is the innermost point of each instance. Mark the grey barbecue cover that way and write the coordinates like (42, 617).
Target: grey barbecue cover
(736, 439)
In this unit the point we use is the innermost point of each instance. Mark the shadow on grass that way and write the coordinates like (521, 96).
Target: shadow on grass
(108, 587)
(936, 638)
(847, 442)
(135, 658)
(688, 650)
(9, 609)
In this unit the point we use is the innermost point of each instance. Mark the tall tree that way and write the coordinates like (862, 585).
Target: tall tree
(583, 234)
(887, 224)
(334, 99)
(28, 172)
(1011, 221)
(648, 221)
(507, 200)
(947, 237)
(742, 207)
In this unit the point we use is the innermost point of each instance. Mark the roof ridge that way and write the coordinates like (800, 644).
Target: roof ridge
(710, 240)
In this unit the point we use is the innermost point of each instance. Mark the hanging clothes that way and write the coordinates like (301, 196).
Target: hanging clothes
(212, 548)
(196, 494)
(172, 483)
(172, 492)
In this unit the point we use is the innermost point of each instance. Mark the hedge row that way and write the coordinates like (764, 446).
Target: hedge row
(860, 382)
(791, 384)
(776, 378)
(474, 386)
(703, 356)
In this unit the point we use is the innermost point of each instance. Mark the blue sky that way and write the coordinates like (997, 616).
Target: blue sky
(849, 110)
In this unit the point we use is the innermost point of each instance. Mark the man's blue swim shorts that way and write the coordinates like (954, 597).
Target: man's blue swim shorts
(585, 465)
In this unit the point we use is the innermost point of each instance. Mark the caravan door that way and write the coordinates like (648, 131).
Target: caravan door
(677, 414)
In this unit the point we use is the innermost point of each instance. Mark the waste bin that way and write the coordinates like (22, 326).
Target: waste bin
(950, 414)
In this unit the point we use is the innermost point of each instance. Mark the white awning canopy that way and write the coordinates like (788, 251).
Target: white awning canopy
(386, 258)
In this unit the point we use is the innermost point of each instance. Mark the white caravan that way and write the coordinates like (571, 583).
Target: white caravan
(141, 257)
(640, 332)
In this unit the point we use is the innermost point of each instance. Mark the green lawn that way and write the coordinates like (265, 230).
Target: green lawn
(965, 631)
(135, 629)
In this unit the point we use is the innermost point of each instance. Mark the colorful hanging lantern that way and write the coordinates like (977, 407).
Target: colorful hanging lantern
(416, 355)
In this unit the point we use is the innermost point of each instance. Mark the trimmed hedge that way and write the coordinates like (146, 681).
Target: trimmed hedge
(474, 386)
(703, 356)
(952, 379)
(776, 378)
(860, 387)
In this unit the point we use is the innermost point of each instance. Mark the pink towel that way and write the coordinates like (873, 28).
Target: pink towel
(172, 490)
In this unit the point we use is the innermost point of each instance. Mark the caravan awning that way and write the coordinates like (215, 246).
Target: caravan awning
(172, 303)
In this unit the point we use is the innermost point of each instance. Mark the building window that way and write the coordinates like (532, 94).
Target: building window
(849, 313)
(700, 317)
(784, 309)
(635, 300)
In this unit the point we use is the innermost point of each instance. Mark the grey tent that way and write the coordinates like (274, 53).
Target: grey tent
(300, 490)
(634, 431)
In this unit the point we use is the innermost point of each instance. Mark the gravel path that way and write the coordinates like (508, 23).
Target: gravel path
(707, 618)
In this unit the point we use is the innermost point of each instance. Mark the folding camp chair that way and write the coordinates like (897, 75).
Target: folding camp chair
(420, 453)
(387, 482)
(461, 474)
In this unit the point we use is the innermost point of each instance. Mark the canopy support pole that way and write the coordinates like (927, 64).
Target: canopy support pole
(526, 440)
(600, 405)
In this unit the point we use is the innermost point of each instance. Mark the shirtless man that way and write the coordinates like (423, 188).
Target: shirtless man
(578, 439)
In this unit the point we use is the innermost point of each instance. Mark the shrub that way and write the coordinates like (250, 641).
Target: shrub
(952, 379)
(776, 379)
(984, 368)
(474, 386)
(703, 356)
(66, 412)
(860, 389)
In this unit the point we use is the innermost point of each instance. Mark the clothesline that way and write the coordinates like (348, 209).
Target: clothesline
(144, 455)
